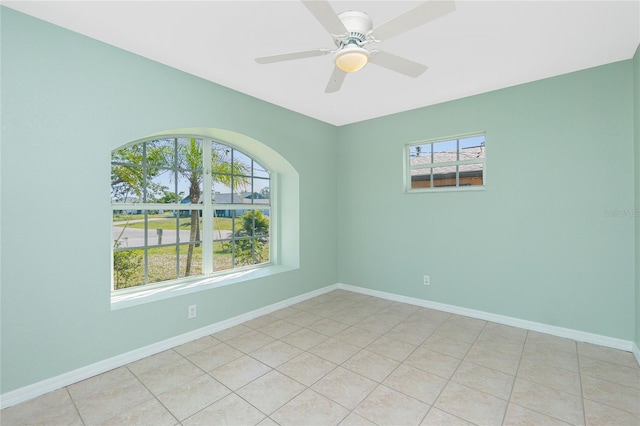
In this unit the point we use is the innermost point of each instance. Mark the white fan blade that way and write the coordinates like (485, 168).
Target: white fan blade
(291, 56)
(335, 82)
(416, 17)
(397, 63)
(324, 13)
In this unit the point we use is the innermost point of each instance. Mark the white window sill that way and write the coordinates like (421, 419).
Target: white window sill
(127, 298)
(447, 189)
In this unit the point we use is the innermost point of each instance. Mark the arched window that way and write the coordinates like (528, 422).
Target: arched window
(185, 207)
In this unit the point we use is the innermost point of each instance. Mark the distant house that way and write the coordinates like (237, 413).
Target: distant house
(241, 198)
(469, 174)
(230, 198)
(127, 199)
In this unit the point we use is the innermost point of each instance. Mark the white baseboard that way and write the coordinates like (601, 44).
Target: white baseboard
(577, 335)
(26, 393)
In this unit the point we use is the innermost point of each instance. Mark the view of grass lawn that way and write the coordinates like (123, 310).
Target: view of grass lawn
(121, 217)
(162, 263)
(167, 222)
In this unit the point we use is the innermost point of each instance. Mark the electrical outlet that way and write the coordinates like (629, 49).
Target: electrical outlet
(192, 312)
(427, 280)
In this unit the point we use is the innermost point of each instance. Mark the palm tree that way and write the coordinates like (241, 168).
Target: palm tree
(222, 171)
(133, 169)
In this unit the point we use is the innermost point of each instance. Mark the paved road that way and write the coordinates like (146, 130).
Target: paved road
(134, 237)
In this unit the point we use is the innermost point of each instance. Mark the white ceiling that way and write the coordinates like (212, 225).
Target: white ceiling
(482, 46)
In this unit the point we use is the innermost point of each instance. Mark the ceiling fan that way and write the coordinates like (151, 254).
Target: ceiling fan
(352, 30)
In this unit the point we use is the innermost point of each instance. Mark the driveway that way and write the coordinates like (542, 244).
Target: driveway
(134, 237)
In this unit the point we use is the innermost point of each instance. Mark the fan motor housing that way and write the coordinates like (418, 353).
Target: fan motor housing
(358, 24)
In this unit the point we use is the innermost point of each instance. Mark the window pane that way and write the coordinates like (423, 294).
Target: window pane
(241, 164)
(251, 251)
(262, 188)
(127, 228)
(472, 148)
(221, 171)
(128, 268)
(161, 186)
(162, 264)
(445, 151)
(421, 178)
(221, 222)
(471, 174)
(160, 163)
(190, 195)
(444, 176)
(190, 227)
(162, 228)
(222, 255)
(189, 155)
(126, 183)
(262, 251)
(252, 223)
(128, 155)
(241, 185)
(221, 156)
(259, 171)
(420, 154)
(222, 225)
(244, 252)
(190, 260)
(161, 153)
(220, 185)
(231, 198)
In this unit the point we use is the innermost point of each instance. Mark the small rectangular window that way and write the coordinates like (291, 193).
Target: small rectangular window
(446, 164)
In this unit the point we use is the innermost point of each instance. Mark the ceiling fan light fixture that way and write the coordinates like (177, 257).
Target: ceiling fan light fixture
(352, 58)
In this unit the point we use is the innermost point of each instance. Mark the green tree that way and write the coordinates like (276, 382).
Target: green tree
(170, 197)
(265, 192)
(129, 165)
(190, 167)
(251, 237)
(127, 171)
(254, 223)
(126, 266)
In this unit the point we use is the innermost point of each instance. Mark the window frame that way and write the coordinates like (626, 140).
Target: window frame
(408, 167)
(208, 275)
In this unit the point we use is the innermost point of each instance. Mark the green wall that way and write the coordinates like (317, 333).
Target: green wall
(67, 101)
(636, 116)
(540, 243)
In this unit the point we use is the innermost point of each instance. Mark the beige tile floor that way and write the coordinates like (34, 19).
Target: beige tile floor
(350, 359)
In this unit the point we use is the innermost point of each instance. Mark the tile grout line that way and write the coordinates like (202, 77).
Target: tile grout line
(378, 383)
(515, 377)
(153, 394)
(303, 351)
(484, 326)
(584, 411)
(378, 308)
(341, 365)
(73, 401)
(432, 405)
